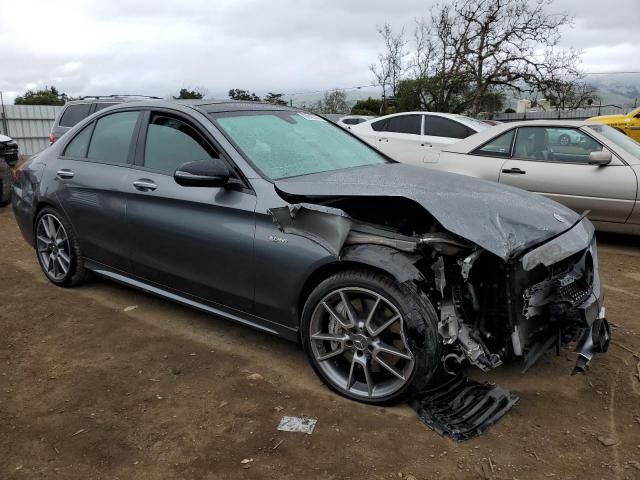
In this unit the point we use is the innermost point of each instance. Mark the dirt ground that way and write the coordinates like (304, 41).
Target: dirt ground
(90, 388)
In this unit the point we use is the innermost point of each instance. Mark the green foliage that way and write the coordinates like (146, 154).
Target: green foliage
(238, 94)
(47, 96)
(370, 106)
(509, 110)
(275, 98)
(186, 94)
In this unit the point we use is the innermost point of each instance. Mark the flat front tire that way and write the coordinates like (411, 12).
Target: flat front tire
(370, 338)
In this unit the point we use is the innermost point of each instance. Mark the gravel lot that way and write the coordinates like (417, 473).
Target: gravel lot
(90, 388)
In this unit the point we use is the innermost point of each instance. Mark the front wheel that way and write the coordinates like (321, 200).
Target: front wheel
(370, 338)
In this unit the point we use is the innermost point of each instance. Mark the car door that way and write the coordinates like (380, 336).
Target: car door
(195, 240)
(400, 137)
(543, 165)
(484, 162)
(90, 177)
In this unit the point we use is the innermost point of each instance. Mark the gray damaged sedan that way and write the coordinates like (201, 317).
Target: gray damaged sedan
(280, 220)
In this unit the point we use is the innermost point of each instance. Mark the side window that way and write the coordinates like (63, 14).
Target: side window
(380, 125)
(554, 144)
(405, 124)
(74, 113)
(101, 105)
(111, 137)
(443, 127)
(77, 148)
(499, 146)
(172, 142)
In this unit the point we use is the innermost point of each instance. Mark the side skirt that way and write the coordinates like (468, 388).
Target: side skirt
(257, 323)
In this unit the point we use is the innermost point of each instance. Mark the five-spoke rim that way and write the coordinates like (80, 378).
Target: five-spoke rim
(53, 247)
(357, 338)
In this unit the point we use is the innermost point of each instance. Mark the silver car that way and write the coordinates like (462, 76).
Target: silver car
(597, 170)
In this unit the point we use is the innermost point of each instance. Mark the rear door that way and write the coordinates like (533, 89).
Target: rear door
(400, 138)
(195, 240)
(544, 163)
(90, 176)
(440, 132)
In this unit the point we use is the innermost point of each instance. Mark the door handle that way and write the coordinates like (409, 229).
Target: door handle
(145, 185)
(514, 170)
(383, 139)
(65, 173)
(426, 145)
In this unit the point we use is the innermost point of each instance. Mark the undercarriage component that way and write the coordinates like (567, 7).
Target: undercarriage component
(595, 339)
(461, 408)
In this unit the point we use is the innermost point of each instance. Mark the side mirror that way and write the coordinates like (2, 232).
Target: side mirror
(600, 158)
(212, 172)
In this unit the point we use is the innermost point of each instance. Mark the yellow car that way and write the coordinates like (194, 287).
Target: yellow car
(628, 124)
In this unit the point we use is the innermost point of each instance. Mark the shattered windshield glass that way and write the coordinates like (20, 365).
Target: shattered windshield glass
(286, 144)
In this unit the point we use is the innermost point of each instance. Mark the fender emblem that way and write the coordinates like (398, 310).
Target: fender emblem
(276, 239)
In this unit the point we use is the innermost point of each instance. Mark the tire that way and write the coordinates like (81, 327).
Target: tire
(564, 139)
(341, 354)
(58, 250)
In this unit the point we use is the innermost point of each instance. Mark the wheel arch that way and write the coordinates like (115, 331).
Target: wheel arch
(386, 260)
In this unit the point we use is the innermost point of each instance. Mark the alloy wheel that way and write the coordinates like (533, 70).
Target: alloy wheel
(53, 247)
(358, 341)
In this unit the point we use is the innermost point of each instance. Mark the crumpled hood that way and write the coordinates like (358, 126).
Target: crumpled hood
(501, 219)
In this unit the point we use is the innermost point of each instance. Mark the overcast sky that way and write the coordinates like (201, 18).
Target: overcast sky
(155, 47)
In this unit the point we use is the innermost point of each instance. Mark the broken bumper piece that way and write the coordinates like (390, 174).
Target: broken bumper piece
(461, 408)
(594, 339)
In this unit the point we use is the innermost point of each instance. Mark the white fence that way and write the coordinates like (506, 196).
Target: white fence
(578, 114)
(29, 125)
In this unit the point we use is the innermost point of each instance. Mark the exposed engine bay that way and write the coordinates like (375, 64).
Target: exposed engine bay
(490, 309)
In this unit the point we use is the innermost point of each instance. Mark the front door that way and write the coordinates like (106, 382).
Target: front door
(544, 162)
(195, 240)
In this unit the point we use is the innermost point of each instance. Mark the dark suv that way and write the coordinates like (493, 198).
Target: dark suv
(77, 110)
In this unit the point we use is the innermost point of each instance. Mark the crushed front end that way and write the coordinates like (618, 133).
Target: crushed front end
(492, 310)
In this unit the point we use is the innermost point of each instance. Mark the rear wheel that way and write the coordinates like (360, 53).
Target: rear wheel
(58, 250)
(370, 338)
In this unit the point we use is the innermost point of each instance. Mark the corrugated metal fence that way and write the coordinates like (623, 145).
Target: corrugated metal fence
(29, 125)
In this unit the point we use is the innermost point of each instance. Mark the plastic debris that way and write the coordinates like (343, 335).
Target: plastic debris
(297, 424)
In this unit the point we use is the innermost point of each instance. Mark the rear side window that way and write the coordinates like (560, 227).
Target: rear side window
(443, 127)
(111, 137)
(77, 148)
(101, 105)
(172, 142)
(353, 121)
(74, 113)
(498, 147)
(402, 124)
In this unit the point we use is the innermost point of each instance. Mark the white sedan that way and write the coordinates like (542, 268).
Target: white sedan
(415, 136)
(597, 170)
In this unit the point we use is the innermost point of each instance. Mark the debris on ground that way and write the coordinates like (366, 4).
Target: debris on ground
(608, 441)
(461, 408)
(297, 424)
(130, 308)
(255, 376)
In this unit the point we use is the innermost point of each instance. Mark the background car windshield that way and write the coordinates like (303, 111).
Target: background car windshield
(288, 144)
(618, 138)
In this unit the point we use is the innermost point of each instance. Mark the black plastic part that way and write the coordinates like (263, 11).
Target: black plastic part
(461, 408)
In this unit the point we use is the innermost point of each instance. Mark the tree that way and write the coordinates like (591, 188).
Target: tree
(238, 94)
(509, 110)
(370, 106)
(275, 98)
(467, 53)
(46, 96)
(391, 63)
(186, 93)
(568, 94)
(334, 101)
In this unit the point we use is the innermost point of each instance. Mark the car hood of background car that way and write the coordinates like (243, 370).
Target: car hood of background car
(4, 138)
(501, 219)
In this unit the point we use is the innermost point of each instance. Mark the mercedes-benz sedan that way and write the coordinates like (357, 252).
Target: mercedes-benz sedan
(277, 219)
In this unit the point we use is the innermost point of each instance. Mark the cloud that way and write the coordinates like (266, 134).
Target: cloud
(154, 47)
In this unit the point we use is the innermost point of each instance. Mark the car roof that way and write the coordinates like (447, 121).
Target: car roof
(109, 99)
(207, 105)
(472, 142)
